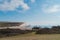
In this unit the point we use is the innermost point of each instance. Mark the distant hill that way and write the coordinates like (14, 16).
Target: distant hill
(10, 24)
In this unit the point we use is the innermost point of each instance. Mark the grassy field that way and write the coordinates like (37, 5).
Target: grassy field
(32, 36)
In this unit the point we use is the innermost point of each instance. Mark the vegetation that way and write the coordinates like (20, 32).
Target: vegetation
(35, 29)
(37, 33)
(53, 30)
(32, 36)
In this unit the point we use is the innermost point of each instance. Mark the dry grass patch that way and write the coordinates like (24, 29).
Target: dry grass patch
(32, 36)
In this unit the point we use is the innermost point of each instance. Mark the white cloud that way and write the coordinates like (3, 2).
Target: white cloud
(51, 9)
(13, 5)
(25, 6)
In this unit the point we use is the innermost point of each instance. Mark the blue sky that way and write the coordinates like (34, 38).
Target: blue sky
(35, 12)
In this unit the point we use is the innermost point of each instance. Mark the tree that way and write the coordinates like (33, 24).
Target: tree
(36, 28)
(43, 31)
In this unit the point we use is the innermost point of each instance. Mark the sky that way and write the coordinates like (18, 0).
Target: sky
(34, 12)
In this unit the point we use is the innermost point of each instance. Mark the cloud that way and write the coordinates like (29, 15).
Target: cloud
(51, 6)
(13, 5)
(51, 9)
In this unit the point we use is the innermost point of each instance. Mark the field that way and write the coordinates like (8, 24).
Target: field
(32, 36)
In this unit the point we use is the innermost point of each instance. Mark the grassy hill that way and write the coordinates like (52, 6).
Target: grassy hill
(32, 36)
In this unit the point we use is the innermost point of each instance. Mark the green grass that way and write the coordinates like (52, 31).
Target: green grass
(32, 36)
